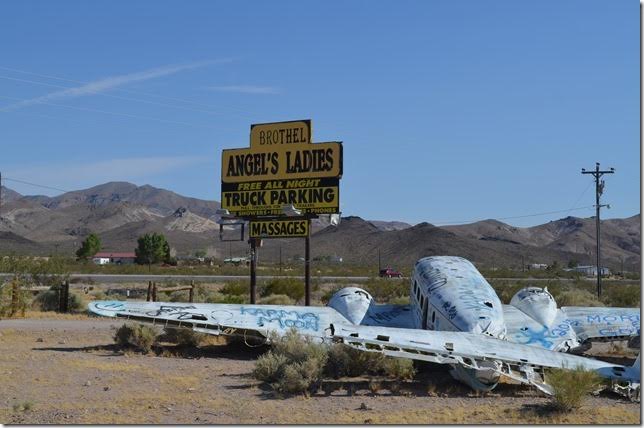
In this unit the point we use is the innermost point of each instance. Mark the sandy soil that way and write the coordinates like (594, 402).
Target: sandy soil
(64, 371)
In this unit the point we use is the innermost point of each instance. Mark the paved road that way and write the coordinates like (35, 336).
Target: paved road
(110, 279)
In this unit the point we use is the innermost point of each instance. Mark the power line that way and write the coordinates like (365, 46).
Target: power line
(36, 184)
(441, 223)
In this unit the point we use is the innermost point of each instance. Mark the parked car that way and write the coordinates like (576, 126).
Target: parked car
(390, 273)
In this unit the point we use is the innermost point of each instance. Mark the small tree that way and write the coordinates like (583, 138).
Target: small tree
(152, 248)
(90, 246)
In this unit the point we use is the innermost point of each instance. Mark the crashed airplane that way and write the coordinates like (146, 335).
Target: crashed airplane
(455, 318)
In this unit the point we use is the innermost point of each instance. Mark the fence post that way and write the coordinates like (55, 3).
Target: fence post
(149, 296)
(154, 291)
(192, 290)
(64, 297)
(14, 298)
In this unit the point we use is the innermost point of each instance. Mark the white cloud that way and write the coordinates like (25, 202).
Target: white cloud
(108, 83)
(79, 175)
(246, 89)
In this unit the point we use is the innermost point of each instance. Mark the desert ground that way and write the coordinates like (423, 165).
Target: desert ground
(60, 369)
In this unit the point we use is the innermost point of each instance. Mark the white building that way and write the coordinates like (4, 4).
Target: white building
(591, 270)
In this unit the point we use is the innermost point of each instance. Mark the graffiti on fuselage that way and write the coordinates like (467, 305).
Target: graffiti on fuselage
(381, 317)
(543, 337)
(286, 319)
(177, 312)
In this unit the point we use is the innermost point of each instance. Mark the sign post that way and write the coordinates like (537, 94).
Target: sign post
(278, 184)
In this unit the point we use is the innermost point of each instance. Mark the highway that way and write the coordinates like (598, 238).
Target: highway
(98, 278)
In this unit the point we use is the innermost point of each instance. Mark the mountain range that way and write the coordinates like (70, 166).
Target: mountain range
(120, 212)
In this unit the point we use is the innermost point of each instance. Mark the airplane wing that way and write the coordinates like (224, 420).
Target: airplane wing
(602, 323)
(476, 351)
(572, 326)
(226, 319)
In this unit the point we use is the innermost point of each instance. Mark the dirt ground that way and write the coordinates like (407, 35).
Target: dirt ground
(65, 370)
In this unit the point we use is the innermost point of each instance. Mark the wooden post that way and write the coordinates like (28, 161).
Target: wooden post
(154, 291)
(64, 297)
(192, 291)
(14, 298)
(149, 296)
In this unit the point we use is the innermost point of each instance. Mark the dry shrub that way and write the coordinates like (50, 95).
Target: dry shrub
(577, 297)
(137, 336)
(385, 290)
(276, 299)
(350, 362)
(226, 298)
(181, 336)
(291, 287)
(293, 365)
(375, 387)
(347, 361)
(48, 301)
(571, 387)
(399, 368)
(236, 288)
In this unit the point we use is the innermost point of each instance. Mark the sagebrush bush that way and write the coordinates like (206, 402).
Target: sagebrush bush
(291, 287)
(577, 297)
(276, 299)
(571, 387)
(138, 336)
(293, 365)
(399, 368)
(226, 298)
(48, 301)
(346, 361)
(350, 362)
(181, 336)
(236, 288)
(385, 290)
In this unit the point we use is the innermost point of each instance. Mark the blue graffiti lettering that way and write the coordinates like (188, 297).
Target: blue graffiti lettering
(286, 319)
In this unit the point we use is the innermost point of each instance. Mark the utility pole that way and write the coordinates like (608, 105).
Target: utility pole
(599, 189)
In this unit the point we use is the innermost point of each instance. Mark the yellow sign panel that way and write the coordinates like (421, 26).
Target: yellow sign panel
(282, 162)
(278, 228)
(280, 134)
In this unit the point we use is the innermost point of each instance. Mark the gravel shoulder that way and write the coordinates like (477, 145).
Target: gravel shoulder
(61, 371)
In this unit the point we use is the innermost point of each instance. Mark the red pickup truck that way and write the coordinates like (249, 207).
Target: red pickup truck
(390, 273)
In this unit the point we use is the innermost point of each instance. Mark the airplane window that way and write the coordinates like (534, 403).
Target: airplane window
(488, 304)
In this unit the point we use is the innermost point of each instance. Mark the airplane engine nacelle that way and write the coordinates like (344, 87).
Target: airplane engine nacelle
(537, 303)
(352, 302)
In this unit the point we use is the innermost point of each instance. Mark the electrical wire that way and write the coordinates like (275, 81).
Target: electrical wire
(35, 184)
(445, 223)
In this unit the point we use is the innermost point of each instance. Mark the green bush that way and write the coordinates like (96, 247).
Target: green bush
(48, 301)
(291, 287)
(571, 387)
(293, 365)
(276, 299)
(181, 336)
(226, 298)
(236, 288)
(385, 290)
(399, 368)
(346, 361)
(137, 336)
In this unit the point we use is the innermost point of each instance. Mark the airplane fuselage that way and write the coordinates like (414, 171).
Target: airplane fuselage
(449, 294)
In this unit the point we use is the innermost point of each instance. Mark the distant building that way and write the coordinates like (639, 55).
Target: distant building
(591, 270)
(538, 266)
(105, 258)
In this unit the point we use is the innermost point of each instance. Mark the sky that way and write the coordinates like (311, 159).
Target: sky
(449, 111)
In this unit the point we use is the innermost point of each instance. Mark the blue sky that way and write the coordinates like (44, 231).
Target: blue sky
(449, 111)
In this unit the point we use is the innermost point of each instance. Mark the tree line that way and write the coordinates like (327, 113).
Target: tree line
(151, 248)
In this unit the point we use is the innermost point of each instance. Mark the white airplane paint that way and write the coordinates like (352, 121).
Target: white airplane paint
(454, 317)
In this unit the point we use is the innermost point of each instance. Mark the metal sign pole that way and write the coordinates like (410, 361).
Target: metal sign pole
(307, 270)
(253, 270)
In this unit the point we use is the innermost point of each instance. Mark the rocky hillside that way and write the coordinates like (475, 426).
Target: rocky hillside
(120, 212)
